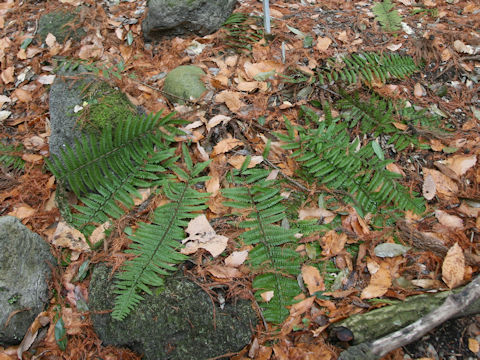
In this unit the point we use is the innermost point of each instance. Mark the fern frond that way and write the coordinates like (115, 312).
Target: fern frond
(387, 16)
(367, 67)
(240, 34)
(329, 157)
(93, 159)
(155, 246)
(116, 194)
(10, 156)
(273, 257)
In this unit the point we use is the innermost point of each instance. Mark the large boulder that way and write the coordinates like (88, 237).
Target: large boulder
(82, 103)
(62, 24)
(179, 17)
(179, 323)
(24, 273)
(184, 83)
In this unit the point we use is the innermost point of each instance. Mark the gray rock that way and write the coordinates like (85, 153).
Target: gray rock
(24, 272)
(62, 24)
(179, 17)
(184, 83)
(177, 323)
(72, 88)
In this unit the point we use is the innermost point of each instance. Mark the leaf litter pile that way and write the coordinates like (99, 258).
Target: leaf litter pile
(268, 105)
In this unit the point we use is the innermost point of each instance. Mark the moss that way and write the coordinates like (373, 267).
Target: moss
(103, 106)
(63, 24)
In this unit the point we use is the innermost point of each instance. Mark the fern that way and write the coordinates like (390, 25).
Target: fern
(9, 156)
(155, 245)
(387, 16)
(329, 157)
(273, 257)
(367, 67)
(240, 33)
(96, 161)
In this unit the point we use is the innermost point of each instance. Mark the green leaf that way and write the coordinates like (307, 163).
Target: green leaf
(378, 150)
(130, 38)
(61, 334)
(388, 17)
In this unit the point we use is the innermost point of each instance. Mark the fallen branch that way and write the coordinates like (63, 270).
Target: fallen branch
(454, 305)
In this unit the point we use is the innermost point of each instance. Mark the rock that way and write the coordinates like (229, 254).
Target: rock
(184, 83)
(62, 24)
(178, 17)
(101, 105)
(24, 272)
(174, 324)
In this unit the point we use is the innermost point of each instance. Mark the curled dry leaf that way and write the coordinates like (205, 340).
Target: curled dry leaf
(231, 99)
(316, 213)
(236, 258)
(217, 119)
(312, 278)
(380, 281)
(225, 145)
(460, 164)
(333, 243)
(203, 236)
(448, 220)
(253, 70)
(445, 187)
(453, 267)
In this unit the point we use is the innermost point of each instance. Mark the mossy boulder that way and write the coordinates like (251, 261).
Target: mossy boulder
(179, 323)
(184, 83)
(62, 24)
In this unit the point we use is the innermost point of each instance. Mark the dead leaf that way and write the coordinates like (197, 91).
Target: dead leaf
(445, 187)
(217, 119)
(46, 79)
(395, 169)
(69, 237)
(231, 99)
(460, 164)
(50, 40)
(333, 243)
(453, 267)
(22, 95)
(40, 321)
(237, 161)
(473, 345)
(99, 233)
(419, 90)
(34, 143)
(8, 75)
(316, 213)
(342, 36)
(448, 220)
(461, 47)
(323, 43)
(225, 145)
(236, 258)
(253, 70)
(32, 158)
(203, 236)
(429, 189)
(22, 211)
(380, 280)
(267, 295)
(312, 278)
(224, 272)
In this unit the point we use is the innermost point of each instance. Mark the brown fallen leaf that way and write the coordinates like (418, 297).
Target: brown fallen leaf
(224, 272)
(380, 280)
(203, 236)
(236, 258)
(231, 99)
(429, 189)
(69, 237)
(253, 70)
(323, 43)
(445, 187)
(333, 243)
(22, 211)
(316, 213)
(453, 267)
(448, 220)
(460, 164)
(312, 279)
(225, 145)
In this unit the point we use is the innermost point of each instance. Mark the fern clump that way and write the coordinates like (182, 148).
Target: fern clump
(367, 67)
(10, 156)
(387, 16)
(155, 246)
(273, 258)
(240, 32)
(359, 172)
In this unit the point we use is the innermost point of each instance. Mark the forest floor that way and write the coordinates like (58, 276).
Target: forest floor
(237, 117)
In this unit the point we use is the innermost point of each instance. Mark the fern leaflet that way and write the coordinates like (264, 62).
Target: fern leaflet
(273, 257)
(156, 245)
(387, 16)
(10, 156)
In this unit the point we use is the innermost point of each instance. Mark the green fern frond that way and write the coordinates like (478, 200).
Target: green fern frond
(156, 245)
(273, 257)
(10, 156)
(387, 16)
(115, 196)
(93, 159)
(367, 67)
(240, 33)
(329, 157)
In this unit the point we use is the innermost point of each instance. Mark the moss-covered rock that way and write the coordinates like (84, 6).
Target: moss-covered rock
(180, 323)
(184, 83)
(62, 24)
